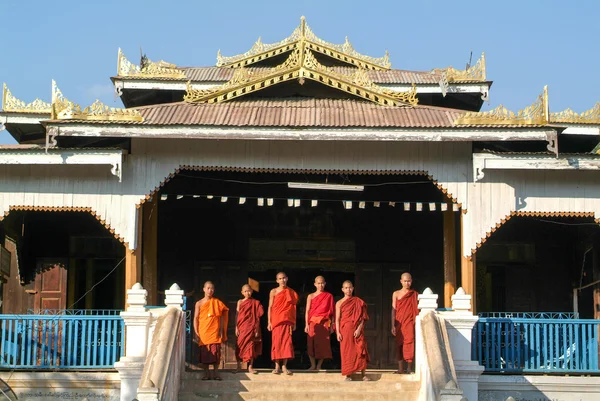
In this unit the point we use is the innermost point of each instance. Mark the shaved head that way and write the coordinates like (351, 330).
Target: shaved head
(319, 278)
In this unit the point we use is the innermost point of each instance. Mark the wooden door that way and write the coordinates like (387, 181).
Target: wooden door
(50, 284)
(368, 288)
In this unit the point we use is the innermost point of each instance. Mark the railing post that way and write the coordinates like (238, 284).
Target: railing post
(174, 297)
(137, 323)
(459, 324)
(427, 303)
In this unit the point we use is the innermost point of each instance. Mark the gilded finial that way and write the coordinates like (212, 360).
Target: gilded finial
(12, 104)
(535, 114)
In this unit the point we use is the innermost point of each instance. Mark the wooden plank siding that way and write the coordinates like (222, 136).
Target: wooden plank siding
(151, 161)
(502, 192)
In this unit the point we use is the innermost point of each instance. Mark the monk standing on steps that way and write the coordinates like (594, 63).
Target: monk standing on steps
(210, 325)
(404, 312)
(320, 312)
(350, 317)
(282, 322)
(247, 329)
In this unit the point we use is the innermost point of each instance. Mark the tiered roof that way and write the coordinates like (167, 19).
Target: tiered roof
(301, 81)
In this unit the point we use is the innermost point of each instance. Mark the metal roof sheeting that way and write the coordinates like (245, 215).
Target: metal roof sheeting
(299, 112)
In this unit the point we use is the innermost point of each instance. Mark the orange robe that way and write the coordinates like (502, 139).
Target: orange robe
(406, 311)
(283, 319)
(208, 330)
(355, 356)
(249, 345)
(320, 315)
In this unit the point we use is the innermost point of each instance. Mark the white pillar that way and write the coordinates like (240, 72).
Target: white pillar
(459, 324)
(427, 303)
(137, 322)
(174, 297)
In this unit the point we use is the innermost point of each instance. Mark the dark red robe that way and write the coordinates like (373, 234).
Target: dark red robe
(249, 344)
(320, 318)
(283, 319)
(354, 353)
(406, 312)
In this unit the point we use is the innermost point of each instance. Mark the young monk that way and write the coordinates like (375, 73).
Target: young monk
(210, 325)
(282, 322)
(247, 329)
(404, 311)
(319, 316)
(350, 317)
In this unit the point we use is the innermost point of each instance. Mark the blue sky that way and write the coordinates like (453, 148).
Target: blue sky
(528, 44)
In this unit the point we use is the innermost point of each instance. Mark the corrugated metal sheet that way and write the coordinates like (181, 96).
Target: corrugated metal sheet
(332, 113)
(219, 74)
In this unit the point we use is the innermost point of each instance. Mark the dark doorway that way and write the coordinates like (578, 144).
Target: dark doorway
(211, 226)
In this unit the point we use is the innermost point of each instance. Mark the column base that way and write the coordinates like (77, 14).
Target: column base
(468, 373)
(130, 371)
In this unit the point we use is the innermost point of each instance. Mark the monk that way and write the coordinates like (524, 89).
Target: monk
(350, 317)
(404, 312)
(210, 326)
(319, 316)
(247, 329)
(282, 322)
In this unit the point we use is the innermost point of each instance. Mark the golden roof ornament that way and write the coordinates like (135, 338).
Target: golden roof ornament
(536, 114)
(301, 65)
(64, 109)
(303, 37)
(474, 73)
(147, 68)
(14, 105)
(568, 116)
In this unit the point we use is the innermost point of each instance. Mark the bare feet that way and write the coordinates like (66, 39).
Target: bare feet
(217, 377)
(286, 371)
(348, 379)
(276, 372)
(312, 368)
(251, 370)
(366, 378)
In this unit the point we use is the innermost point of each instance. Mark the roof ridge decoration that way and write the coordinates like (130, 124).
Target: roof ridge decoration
(591, 116)
(64, 109)
(147, 68)
(301, 65)
(303, 36)
(535, 114)
(474, 73)
(11, 104)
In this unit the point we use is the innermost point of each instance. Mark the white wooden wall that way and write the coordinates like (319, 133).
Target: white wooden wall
(153, 160)
(487, 201)
(501, 192)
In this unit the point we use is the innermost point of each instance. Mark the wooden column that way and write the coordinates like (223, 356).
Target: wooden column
(467, 270)
(133, 259)
(596, 276)
(449, 256)
(71, 282)
(89, 282)
(149, 250)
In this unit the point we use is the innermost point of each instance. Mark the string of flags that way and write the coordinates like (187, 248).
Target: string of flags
(347, 204)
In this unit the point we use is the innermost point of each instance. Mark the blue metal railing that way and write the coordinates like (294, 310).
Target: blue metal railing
(531, 315)
(75, 312)
(523, 345)
(60, 341)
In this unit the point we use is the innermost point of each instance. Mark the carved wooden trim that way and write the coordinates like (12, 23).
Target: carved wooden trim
(64, 209)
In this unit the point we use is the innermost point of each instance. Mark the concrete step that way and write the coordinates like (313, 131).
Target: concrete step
(302, 376)
(293, 386)
(356, 395)
(301, 386)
